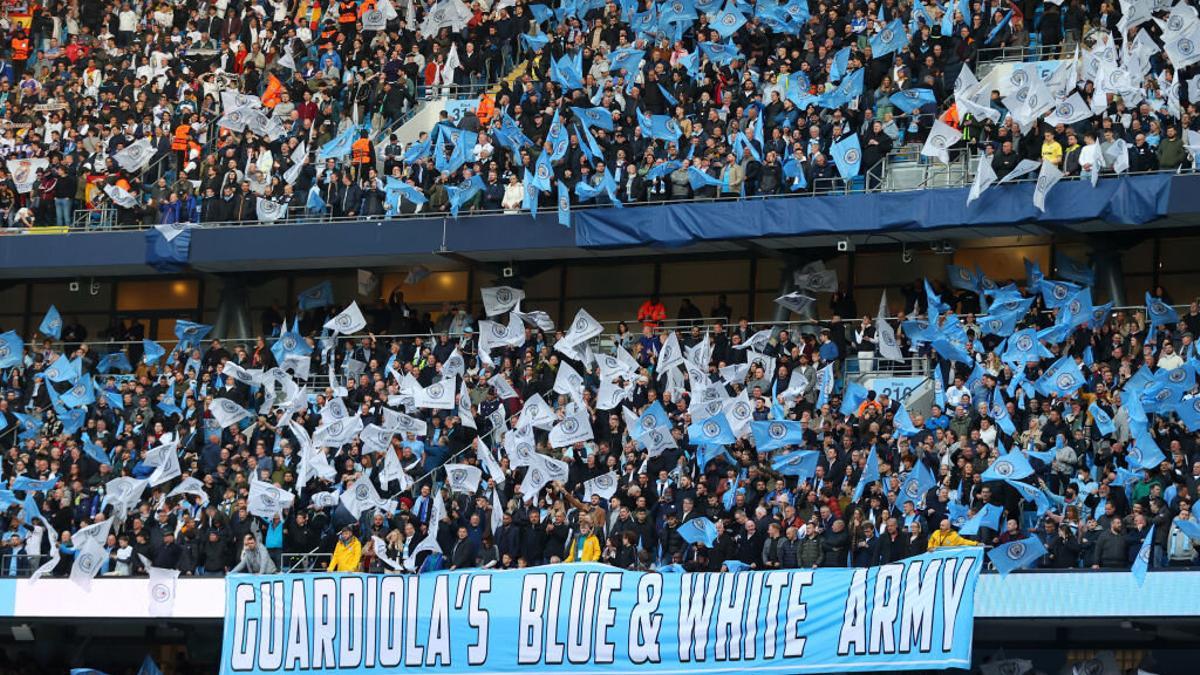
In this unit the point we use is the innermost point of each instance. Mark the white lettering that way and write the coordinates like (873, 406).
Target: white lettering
(245, 629)
(727, 644)
(391, 594)
(554, 646)
(606, 617)
(297, 648)
(477, 618)
(438, 650)
(776, 581)
(414, 652)
(324, 630)
(797, 612)
(954, 583)
(920, 592)
(697, 598)
(580, 621)
(854, 619)
(884, 609)
(529, 619)
(750, 633)
(270, 643)
(350, 632)
(645, 621)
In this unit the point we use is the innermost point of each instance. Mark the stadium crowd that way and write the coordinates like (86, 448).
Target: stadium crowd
(502, 442)
(232, 110)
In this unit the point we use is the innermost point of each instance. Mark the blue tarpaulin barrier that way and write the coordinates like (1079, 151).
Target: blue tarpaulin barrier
(1130, 200)
(168, 256)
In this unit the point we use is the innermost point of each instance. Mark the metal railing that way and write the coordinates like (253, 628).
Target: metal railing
(305, 562)
(989, 56)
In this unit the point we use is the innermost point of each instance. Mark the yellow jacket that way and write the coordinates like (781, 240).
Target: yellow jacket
(591, 550)
(941, 539)
(346, 556)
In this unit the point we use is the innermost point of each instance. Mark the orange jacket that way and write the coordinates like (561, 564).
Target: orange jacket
(360, 152)
(652, 314)
(20, 49)
(182, 135)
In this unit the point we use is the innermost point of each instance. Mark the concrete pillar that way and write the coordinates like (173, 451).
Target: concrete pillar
(233, 309)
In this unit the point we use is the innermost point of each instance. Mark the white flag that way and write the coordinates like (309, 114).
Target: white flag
(985, 176)
(465, 413)
(1117, 156)
(1183, 47)
(604, 485)
(189, 486)
(455, 365)
(497, 512)
(463, 478)
(568, 381)
(739, 413)
(756, 341)
(299, 159)
(375, 438)
(437, 396)
(941, 138)
(270, 211)
(502, 388)
(166, 462)
(135, 156)
(814, 277)
(1069, 111)
(575, 427)
(252, 377)
(610, 396)
(232, 100)
(267, 500)
(889, 349)
(1022, 169)
(89, 557)
(583, 328)
(162, 591)
(394, 471)
(430, 542)
(500, 299)
(287, 60)
(535, 318)
(379, 547)
(670, 355)
(349, 321)
(234, 119)
(337, 433)
(123, 493)
(121, 197)
(324, 500)
(361, 496)
(734, 374)
(536, 412)
(535, 479)
(226, 412)
(373, 20)
(1047, 179)
(55, 556)
(795, 301)
(494, 470)
(1091, 160)
(520, 448)
(400, 423)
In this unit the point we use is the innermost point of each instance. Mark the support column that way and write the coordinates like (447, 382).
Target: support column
(233, 309)
(1110, 274)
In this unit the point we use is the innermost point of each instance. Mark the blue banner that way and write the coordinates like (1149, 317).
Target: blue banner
(587, 618)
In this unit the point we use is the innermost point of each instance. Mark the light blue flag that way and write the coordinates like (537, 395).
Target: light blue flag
(852, 398)
(87, 671)
(191, 333)
(691, 63)
(870, 474)
(962, 278)
(51, 325)
(591, 149)
(543, 172)
(149, 667)
(999, 412)
(1046, 457)
(316, 297)
(892, 38)
(564, 204)
(719, 53)
(1160, 313)
(1144, 453)
(655, 417)
(541, 13)
(29, 426)
(534, 42)
(795, 170)
(847, 155)
(957, 514)
(94, 451)
(417, 150)
(912, 100)
(850, 89)
(699, 530)
(1141, 564)
(1024, 347)
(83, 393)
(999, 27)
(708, 453)
(72, 420)
(825, 379)
(33, 484)
(1016, 555)
(664, 169)
(735, 565)
(340, 145)
(530, 201)
(12, 349)
(840, 60)
(919, 482)
(799, 463)
(714, 430)
(64, 369)
(315, 203)
(1000, 324)
(1099, 316)
(151, 352)
(1188, 412)
(989, 516)
(627, 59)
(1061, 379)
(114, 361)
(1013, 466)
(939, 388)
(1055, 294)
(728, 21)
(1073, 270)
(904, 423)
(1033, 276)
(460, 195)
(568, 71)
(699, 179)
(594, 117)
(948, 349)
(1031, 493)
(773, 434)
(1190, 528)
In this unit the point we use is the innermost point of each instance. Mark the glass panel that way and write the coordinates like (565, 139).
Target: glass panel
(150, 295)
(598, 281)
(12, 298)
(718, 276)
(889, 269)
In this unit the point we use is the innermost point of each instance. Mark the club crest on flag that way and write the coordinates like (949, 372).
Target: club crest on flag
(1066, 380)
(777, 430)
(1185, 46)
(160, 592)
(570, 425)
(88, 563)
(1003, 468)
(711, 429)
(1015, 551)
